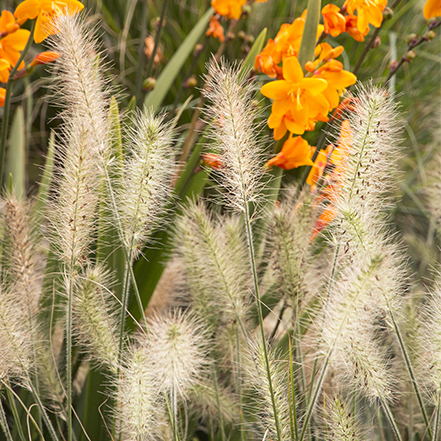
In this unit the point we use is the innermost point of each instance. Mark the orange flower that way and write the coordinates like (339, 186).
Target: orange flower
(332, 71)
(432, 8)
(267, 61)
(352, 30)
(318, 168)
(215, 29)
(335, 23)
(45, 58)
(295, 153)
(368, 12)
(11, 44)
(297, 96)
(328, 214)
(212, 160)
(228, 8)
(2, 96)
(45, 11)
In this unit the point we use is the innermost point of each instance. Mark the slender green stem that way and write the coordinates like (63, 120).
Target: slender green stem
(141, 54)
(4, 423)
(249, 234)
(7, 106)
(11, 400)
(436, 423)
(157, 37)
(391, 418)
(411, 372)
(221, 420)
(243, 434)
(69, 351)
(292, 399)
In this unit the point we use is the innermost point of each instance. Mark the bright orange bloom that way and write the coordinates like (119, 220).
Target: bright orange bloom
(335, 23)
(432, 8)
(45, 11)
(332, 71)
(267, 61)
(338, 156)
(228, 8)
(45, 58)
(212, 160)
(11, 44)
(297, 96)
(295, 153)
(352, 30)
(2, 96)
(368, 12)
(318, 168)
(215, 29)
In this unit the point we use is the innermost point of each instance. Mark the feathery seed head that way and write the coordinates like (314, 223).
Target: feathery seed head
(139, 406)
(95, 322)
(148, 169)
(177, 350)
(232, 128)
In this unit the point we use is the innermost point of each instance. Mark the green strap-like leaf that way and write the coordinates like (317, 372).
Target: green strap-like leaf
(155, 97)
(16, 163)
(309, 37)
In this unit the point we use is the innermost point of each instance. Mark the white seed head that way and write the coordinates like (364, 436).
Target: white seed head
(233, 130)
(94, 318)
(148, 167)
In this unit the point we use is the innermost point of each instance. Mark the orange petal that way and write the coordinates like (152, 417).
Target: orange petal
(292, 71)
(276, 89)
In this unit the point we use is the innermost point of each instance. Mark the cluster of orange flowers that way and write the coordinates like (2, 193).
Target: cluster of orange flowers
(300, 99)
(13, 39)
(226, 8)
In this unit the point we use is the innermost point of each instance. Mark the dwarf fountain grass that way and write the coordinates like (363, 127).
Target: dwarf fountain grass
(95, 324)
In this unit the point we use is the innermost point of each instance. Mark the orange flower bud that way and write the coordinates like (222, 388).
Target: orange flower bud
(11, 27)
(309, 66)
(2, 96)
(45, 58)
(215, 29)
(212, 160)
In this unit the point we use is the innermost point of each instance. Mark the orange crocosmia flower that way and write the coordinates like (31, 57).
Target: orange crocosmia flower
(12, 43)
(267, 61)
(2, 96)
(45, 58)
(328, 214)
(352, 30)
(335, 23)
(432, 8)
(301, 97)
(319, 166)
(5, 67)
(332, 72)
(215, 29)
(368, 12)
(295, 153)
(228, 8)
(212, 160)
(45, 11)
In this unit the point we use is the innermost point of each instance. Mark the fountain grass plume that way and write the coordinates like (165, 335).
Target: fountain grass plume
(216, 268)
(367, 270)
(234, 131)
(95, 323)
(81, 89)
(139, 408)
(148, 168)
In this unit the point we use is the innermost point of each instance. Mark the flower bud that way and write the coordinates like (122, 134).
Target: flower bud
(409, 56)
(45, 58)
(429, 35)
(190, 82)
(212, 160)
(246, 9)
(377, 42)
(250, 39)
(11, 27)
(309, 66)
(410, 38)
(242, 35)
(197, 50)
(231, 36)
(149, 84)
(393, 65)
(388, 13)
